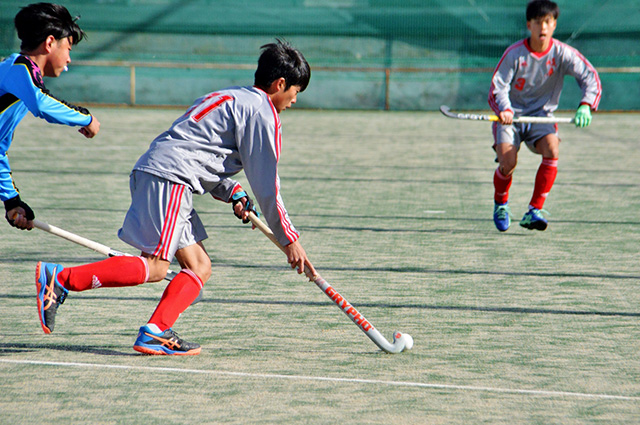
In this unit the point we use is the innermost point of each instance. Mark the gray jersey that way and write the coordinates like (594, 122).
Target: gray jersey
(221, 134)
(529, 83)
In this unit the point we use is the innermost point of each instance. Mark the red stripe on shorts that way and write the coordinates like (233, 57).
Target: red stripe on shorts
(173, 208)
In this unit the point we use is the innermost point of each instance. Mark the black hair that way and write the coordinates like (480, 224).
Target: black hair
(282, 60)
(38, 21)
(541, 8)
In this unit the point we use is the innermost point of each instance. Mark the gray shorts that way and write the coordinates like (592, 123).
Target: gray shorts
(161, 218)
(517, 133)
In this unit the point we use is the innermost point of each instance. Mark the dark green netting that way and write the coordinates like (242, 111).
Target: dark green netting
(437, 51)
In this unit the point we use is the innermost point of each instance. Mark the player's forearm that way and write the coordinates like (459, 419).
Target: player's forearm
(7, 188)
(591, 94)
(275, 214)
(225, 189)
(41, 103)
(59, 112)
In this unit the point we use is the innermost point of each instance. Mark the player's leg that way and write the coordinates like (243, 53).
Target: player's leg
(506, 148)
(507, 161)
(185, 287)
(547, 146)
(157, 336)
(143, 228)
(53, 282)
(182, 237)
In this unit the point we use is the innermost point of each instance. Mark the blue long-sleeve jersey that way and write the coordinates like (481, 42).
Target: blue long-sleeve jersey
(22, 90)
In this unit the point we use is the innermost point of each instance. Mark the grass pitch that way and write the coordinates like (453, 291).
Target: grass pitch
(395, 212)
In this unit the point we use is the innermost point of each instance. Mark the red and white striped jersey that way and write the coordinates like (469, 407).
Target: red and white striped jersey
(530, 83)
(223, 133)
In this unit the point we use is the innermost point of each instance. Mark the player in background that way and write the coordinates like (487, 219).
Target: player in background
(47, 33)
(223, 133)
(528, 82)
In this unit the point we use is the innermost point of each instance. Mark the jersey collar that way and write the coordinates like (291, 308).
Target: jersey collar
(538, 54)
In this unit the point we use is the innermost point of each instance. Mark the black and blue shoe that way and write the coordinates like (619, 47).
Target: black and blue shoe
(533, 219)
(163, 343)
(50, 294)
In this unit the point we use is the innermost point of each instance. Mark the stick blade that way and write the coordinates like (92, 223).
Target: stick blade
(446, 111)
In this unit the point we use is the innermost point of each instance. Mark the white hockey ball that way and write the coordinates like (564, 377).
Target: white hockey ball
(408, 341)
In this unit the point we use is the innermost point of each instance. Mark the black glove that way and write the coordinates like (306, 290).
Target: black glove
(15, 202)
(249, 206)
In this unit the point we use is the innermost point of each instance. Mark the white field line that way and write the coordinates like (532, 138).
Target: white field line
(267, 376)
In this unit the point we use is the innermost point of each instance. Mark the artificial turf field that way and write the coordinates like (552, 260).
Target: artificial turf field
(395, 212)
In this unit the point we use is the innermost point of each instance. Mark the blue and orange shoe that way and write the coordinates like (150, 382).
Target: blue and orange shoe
(533, 219)
(164, 343)
(502, 216)
(50, 294)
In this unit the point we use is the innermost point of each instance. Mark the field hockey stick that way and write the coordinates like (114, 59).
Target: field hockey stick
(401, 341)
(478, 117)
(87, 243)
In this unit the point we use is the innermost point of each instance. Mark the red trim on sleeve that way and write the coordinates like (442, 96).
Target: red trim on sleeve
(492, 98)
(287, 226)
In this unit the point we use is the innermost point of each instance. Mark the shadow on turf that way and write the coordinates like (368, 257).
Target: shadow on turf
(418, 270)
(516, 310)
(12, 348)
(349, 217)
(385, 179)
(340, 179)
(436, 307)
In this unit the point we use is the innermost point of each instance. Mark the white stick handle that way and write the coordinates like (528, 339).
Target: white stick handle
(399, 343)
(493, 118)
(87, 243)
(543, 120)
(98, 247)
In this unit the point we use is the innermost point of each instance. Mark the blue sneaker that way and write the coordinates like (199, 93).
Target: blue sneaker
(50, 294)
(533, 219)
(502, 216)
(164, 343)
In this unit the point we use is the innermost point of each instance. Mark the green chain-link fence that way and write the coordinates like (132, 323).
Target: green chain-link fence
(365, 54)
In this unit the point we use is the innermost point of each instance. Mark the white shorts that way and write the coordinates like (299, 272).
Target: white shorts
(161, 218)
(517, 133)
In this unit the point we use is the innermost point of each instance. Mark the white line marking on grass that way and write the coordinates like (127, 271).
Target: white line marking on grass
(434, 212)
(328, 379)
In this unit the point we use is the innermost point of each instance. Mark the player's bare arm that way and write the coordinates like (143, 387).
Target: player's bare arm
(297, 257)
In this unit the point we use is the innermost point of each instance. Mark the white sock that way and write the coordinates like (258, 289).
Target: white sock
(154, 328)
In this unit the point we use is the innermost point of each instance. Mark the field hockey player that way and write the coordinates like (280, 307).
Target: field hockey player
(528, 81)
(47, 32)
(223, 133)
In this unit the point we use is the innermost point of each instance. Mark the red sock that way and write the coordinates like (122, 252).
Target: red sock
(501, 184)
(112, 272)
(544, 181)
(179, 294)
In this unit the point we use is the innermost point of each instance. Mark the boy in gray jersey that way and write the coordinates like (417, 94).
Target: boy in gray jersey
(224, 132)
(528, 82)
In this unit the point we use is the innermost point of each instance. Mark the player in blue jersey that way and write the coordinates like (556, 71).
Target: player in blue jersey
(528, 82)
(224, 132)
(47, 32)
